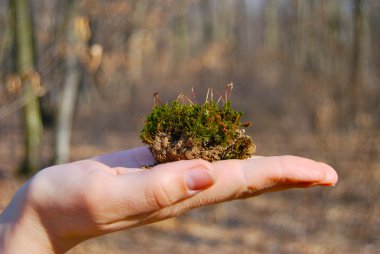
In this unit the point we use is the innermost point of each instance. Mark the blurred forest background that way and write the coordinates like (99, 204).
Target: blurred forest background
(82, 74)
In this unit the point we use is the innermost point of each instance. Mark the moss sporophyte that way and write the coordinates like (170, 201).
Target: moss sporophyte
(184, 130)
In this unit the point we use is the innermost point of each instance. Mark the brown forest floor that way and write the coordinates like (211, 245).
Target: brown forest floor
(341, 219)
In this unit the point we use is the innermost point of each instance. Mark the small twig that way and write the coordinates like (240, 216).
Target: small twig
(179, 97)
(194, 94)
(208, 92)
(183, 97)
(230, 86)
(156, 100)
(220, 98)
(191, 102)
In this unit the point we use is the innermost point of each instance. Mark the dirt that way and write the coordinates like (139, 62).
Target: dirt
(165, 150)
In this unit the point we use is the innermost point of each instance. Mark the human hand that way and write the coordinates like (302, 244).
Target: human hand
(66, 204)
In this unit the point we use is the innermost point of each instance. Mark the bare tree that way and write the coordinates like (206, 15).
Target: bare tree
(25, 66)
(77, 35)
(354, 78)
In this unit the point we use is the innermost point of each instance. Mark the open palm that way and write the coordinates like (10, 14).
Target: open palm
(80, 200)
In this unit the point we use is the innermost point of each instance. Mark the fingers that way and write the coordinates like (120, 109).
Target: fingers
(284, 172)
(266, 172)
(133, 158)
(242, 179)
(167, 190)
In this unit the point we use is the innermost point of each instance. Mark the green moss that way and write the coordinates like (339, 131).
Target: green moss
(173, 131)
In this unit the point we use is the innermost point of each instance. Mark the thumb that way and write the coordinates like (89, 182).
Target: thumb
(163, 185)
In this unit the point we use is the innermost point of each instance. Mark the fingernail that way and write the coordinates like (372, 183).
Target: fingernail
(328, 181)
(331, 177)
(199, 179)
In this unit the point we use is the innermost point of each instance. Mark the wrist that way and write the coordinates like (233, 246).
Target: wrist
(21, 230)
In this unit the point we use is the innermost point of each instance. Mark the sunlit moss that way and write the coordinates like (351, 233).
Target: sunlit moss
(187, 131)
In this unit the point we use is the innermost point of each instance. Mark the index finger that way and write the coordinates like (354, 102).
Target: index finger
(246, 178)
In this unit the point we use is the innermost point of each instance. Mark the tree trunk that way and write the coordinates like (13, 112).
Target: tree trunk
(33, 129)
(271, 24)
(354, 79)
(70, 88)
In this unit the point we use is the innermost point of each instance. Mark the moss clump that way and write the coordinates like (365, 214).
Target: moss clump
(208, 131)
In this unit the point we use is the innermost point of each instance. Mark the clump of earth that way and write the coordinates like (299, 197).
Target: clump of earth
(185, 131)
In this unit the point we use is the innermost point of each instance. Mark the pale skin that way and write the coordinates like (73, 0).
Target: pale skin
(64, 205)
